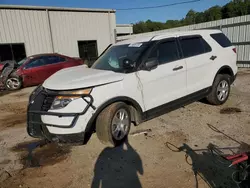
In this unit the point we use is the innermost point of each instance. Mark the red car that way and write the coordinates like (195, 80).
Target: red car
(35, 69)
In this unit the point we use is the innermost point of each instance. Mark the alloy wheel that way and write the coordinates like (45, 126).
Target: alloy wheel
(120, 124)
(222, 90)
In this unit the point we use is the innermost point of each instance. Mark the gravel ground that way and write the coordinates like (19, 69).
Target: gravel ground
(149, 158)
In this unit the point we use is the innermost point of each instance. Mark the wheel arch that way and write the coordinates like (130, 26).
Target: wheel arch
(226, 70)
(135, 110)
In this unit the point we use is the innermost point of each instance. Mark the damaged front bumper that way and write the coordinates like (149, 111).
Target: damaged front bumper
(40, 102)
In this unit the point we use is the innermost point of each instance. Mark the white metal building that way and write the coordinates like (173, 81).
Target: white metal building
(76, 32)
(124, 29)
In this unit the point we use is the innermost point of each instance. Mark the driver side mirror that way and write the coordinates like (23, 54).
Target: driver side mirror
(151, 64)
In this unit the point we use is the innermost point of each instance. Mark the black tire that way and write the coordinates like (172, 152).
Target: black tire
(213, 97)
(18, 80)
(104, 124)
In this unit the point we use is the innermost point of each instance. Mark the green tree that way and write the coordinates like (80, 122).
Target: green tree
(213, 13)
(190, 17)
(232, 9)
(154, 26)
(248, 7)
(200, 17)
(140, 27)
(172, 23)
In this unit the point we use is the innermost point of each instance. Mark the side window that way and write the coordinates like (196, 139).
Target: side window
(221, 39)
(54, 59)
(192, 46)
(206, 46)
(61, 59)
(166, 52)
(37, 62)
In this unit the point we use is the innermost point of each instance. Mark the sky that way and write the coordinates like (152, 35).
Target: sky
(126, 17)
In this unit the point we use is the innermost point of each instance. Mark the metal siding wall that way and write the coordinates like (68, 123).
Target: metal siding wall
(70, 27)
(124, 29)
(25, 26)
(31, 27)
(236, 29)
(113, 28)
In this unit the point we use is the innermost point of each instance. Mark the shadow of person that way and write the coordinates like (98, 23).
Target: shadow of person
(117, 168)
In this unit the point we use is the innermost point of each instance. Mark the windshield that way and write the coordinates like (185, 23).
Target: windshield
(21, 62)
(113, 58)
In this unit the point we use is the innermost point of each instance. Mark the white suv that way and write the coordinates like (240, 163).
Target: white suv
(131, 82)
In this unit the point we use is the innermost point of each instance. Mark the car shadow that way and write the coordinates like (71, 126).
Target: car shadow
(118, 167)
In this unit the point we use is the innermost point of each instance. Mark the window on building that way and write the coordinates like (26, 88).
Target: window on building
(88, 51)
(221, 39)
(12, 52)
(166, 52)
(192, 46)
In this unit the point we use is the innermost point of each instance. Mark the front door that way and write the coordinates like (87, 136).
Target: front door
(37, 70)
(167, 82)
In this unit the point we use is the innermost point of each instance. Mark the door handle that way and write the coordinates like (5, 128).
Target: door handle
(177, 68)
(213, 57)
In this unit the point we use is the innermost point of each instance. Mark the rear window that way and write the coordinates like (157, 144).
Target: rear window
(55, 59)
(221, 39)
(194, 45)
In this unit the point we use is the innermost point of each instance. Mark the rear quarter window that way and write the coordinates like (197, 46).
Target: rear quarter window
(194, 45)
(221, 39)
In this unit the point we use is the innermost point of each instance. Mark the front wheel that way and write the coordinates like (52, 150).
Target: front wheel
(13, 83)
(220, 90)
(113, 124)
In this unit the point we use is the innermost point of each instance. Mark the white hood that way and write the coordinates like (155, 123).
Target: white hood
(80, 77)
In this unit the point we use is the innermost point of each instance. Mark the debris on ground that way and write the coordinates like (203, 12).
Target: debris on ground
(230, 110)
(139, 132)
(41, 153)
(4, 175)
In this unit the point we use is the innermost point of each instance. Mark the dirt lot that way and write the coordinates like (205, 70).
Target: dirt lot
(146, 160)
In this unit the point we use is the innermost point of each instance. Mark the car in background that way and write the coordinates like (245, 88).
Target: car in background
(1, 66)
(2, 63)
(35, 69)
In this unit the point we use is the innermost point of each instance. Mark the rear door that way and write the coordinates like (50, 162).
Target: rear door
(199, 60)
(167, 82)
(56, 63)
(225, 51)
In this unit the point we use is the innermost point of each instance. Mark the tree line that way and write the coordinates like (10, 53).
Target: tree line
(232, 9)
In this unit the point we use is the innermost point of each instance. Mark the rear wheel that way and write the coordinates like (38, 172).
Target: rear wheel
(13, 82)
(220, 90)
(113, 124)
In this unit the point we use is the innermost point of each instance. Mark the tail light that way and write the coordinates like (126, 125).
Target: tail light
(234, 49)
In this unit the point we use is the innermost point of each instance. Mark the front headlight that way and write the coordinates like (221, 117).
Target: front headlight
(67, 97)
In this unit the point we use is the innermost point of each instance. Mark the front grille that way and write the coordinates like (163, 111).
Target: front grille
(40, 100)
(47, 103)
(34, 93)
